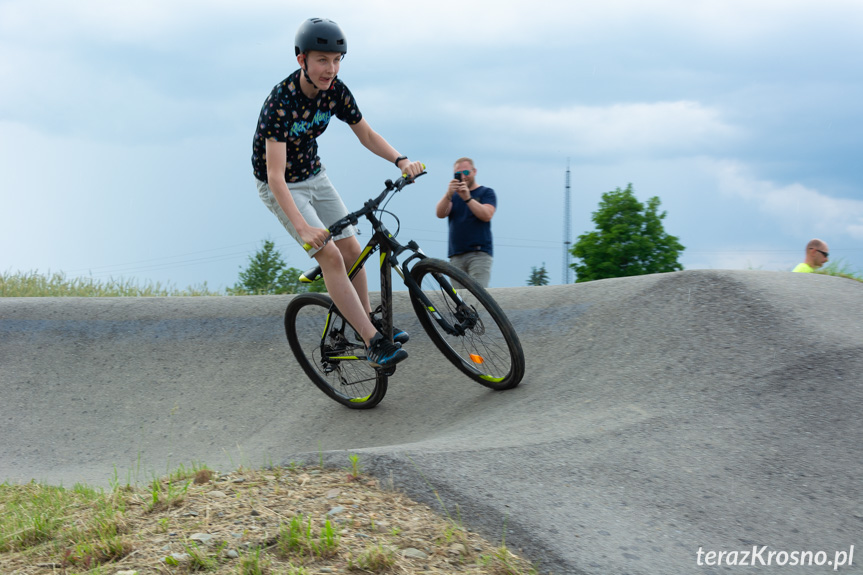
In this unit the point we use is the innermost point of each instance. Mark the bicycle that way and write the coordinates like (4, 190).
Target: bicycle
(460, 317)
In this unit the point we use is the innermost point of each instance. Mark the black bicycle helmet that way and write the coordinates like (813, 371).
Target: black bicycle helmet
(320, 34)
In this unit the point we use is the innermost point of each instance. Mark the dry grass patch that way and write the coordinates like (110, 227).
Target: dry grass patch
(269, 522)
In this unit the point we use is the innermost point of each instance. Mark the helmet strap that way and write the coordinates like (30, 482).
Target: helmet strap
(305, 69)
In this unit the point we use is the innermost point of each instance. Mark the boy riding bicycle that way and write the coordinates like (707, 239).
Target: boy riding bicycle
(293, 182)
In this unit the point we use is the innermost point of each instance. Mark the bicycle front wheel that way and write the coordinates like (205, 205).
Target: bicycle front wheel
(483, 344)
(331, 353)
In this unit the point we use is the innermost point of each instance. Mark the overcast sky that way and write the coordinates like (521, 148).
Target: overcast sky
(126, 127)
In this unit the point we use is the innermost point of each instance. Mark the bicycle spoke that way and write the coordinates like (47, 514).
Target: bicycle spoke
(483, 349)
(337, 365)
(483, 345)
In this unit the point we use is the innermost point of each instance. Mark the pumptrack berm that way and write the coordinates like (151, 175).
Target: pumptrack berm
(659, 416)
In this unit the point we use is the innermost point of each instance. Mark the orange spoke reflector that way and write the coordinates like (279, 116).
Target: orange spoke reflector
(477, 359)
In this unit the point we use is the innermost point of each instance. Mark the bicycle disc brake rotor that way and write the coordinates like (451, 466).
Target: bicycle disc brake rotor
(469, 320)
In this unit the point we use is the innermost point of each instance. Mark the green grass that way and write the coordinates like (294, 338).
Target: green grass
(840, 269)
(57, 284)
(80, 527)
(35, 284)
(298, 537)
(254, 563)
(374, 559)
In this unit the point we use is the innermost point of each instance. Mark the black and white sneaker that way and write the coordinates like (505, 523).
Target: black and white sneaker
(382, 353)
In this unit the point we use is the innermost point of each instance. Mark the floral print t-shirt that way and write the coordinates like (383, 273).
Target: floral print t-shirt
(290, 116)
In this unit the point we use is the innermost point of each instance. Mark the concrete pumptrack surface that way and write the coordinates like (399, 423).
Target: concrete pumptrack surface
(659, 415)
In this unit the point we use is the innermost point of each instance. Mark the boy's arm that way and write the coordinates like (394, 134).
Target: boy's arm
(276, 163)
(377, 145)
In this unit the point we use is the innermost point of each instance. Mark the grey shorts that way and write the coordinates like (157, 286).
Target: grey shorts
(318, 202)
(475, 264)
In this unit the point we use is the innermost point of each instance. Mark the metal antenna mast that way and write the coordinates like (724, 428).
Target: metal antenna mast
(567, 232)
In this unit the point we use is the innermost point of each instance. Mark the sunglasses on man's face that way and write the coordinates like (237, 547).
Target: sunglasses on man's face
(823, 253)
(462, 172)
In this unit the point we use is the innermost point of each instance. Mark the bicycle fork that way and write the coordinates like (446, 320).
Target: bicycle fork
(465, 314)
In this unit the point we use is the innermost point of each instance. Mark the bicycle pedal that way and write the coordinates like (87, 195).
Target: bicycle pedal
(387, 371)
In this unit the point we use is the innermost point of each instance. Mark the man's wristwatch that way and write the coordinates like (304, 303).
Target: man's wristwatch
(399, 159)
(469, 200)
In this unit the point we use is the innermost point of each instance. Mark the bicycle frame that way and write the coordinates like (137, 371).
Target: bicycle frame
(390, 249)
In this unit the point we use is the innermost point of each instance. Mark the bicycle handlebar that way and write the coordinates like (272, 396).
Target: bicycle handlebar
(369, 207)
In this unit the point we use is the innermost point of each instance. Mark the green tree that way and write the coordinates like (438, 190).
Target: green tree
(268, 274)
(538, 277)
(629, 240)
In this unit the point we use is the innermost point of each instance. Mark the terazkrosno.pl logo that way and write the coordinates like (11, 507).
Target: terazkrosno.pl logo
(761, 556)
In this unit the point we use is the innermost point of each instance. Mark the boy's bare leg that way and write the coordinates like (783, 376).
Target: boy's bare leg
(351, 250)
(343, 292)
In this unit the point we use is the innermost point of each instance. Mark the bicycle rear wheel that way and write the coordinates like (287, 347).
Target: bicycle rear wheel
(331, 353)
(485, 347)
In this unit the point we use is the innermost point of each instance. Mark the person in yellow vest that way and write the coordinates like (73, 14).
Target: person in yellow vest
(817, 254)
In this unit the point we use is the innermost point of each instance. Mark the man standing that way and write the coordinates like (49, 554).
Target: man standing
(469, 208)
(817, 254)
